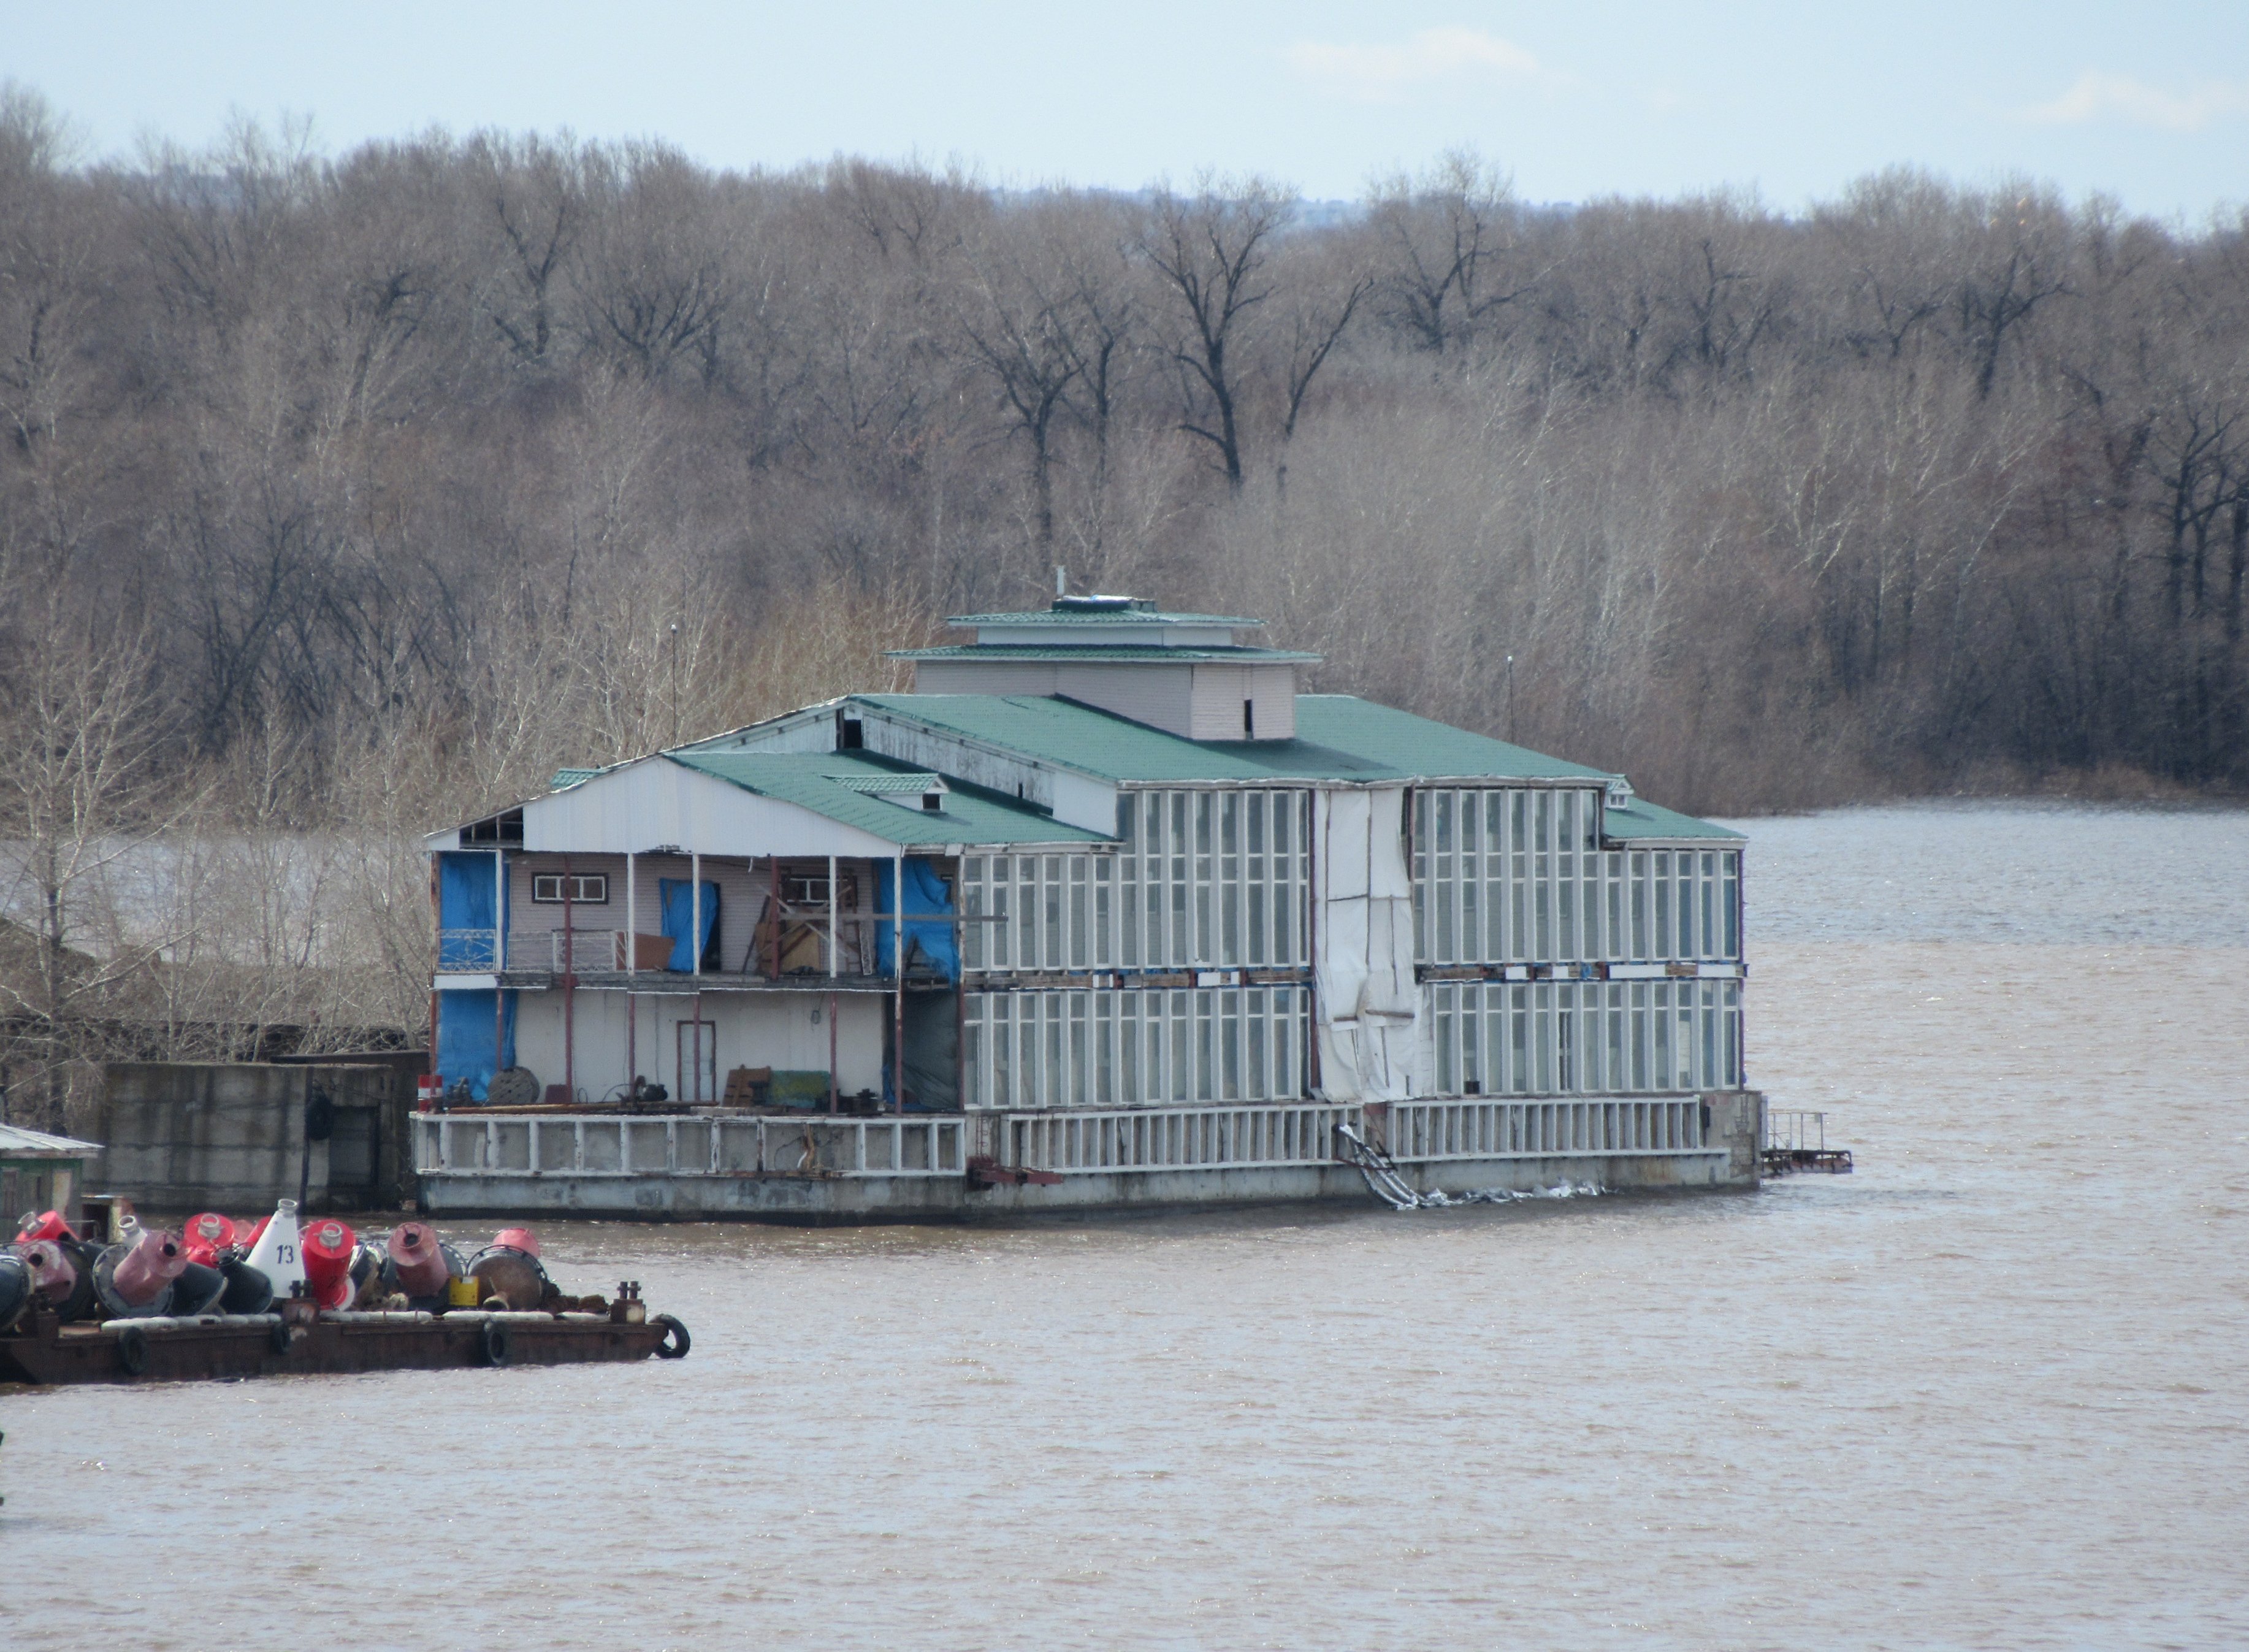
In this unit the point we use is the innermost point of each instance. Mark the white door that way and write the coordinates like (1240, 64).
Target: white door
(698, 1072)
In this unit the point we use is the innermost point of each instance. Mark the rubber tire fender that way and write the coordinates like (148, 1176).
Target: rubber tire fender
(676, 1340)
(133, 1350)
(492, 1344)
(278, 1336)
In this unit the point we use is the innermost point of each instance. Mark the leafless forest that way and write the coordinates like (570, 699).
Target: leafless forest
(340, 497)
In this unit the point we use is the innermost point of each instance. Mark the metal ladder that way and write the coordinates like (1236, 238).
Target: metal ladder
(1383, 1179)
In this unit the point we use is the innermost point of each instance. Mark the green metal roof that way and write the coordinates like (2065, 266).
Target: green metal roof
(1339, 737)
(1420, 749)
(1642, 819)
(815, 781)
(1065, 734)
(1083, 612)
(1135, 652)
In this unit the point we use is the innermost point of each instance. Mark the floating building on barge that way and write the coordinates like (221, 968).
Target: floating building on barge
(1105, 914)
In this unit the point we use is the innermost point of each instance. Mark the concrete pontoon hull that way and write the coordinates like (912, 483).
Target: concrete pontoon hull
(971, 1167)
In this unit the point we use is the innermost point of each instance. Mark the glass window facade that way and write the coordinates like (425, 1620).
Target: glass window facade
(1108, 1048)
(1517, 875)
(1566, 1037)
(1202, 879)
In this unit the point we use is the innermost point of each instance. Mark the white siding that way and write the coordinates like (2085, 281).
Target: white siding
(943, 754)
(657, 801)
(984, 677)
(1220, 692)
(1161, 696)
(1274, 688)
(1079, 634)
(768, 1030)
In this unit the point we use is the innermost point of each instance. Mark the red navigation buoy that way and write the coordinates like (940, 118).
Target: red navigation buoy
(518, 1239)
(206, 1236)
(328, 1246)
(48, 1224)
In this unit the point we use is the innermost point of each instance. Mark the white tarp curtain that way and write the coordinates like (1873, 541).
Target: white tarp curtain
(1369, 1004)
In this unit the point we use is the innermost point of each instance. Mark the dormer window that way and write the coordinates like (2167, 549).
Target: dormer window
(922, 792)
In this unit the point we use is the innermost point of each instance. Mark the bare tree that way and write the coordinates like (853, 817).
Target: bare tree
(1210, 250)
(1450, 254)
(79, 789)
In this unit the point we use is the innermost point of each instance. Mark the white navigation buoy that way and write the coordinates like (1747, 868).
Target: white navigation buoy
(279, 1253)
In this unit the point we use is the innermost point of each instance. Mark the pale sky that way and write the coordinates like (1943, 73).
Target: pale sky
(2147, 101)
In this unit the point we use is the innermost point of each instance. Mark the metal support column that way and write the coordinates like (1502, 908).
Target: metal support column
(833, 958)
(898, 963)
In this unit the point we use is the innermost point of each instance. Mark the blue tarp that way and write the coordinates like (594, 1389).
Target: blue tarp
(465, 1038)
(679, 898)
(928, 917)
(466, 896)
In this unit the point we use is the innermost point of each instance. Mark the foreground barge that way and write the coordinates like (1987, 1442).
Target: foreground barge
(44, 1352)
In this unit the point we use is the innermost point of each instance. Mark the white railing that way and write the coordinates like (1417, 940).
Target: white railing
(463, 1145)
(580, 950)
(467, 951)
(1125, 1141)
(1792, 1130)
(1419, 1132)
(1175, 1138)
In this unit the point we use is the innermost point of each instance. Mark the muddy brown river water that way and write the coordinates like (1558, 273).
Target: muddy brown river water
(1992, 1390)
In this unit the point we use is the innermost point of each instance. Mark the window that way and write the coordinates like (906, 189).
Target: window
(1584, 1038)
(1127, 1048)
(1198, 879)
(586, 889)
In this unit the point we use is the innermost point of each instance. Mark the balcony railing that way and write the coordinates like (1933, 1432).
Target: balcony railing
(463, 1145)
(1420, 1131)
(1124, 1142)
(468, 950)
(1158, 1138)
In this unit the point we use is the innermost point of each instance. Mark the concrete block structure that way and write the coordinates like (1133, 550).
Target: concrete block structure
(235, 1136)
(1105, 913)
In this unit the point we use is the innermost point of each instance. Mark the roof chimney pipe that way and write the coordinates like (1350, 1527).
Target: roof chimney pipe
(1062, 581)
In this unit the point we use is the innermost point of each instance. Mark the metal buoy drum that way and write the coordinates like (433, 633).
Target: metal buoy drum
(46, 1224)
(207, 1235)
(134, 1278)
(62, 1274)
(419, 1258)
(513, 1275)
(247, 1290)
(199, 1289)
(16, 1288)
(329, 1246)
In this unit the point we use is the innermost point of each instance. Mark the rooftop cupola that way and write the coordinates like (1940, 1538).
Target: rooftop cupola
(1184, 673)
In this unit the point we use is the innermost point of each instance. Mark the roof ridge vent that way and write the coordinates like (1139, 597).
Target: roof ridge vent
(890, 782)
